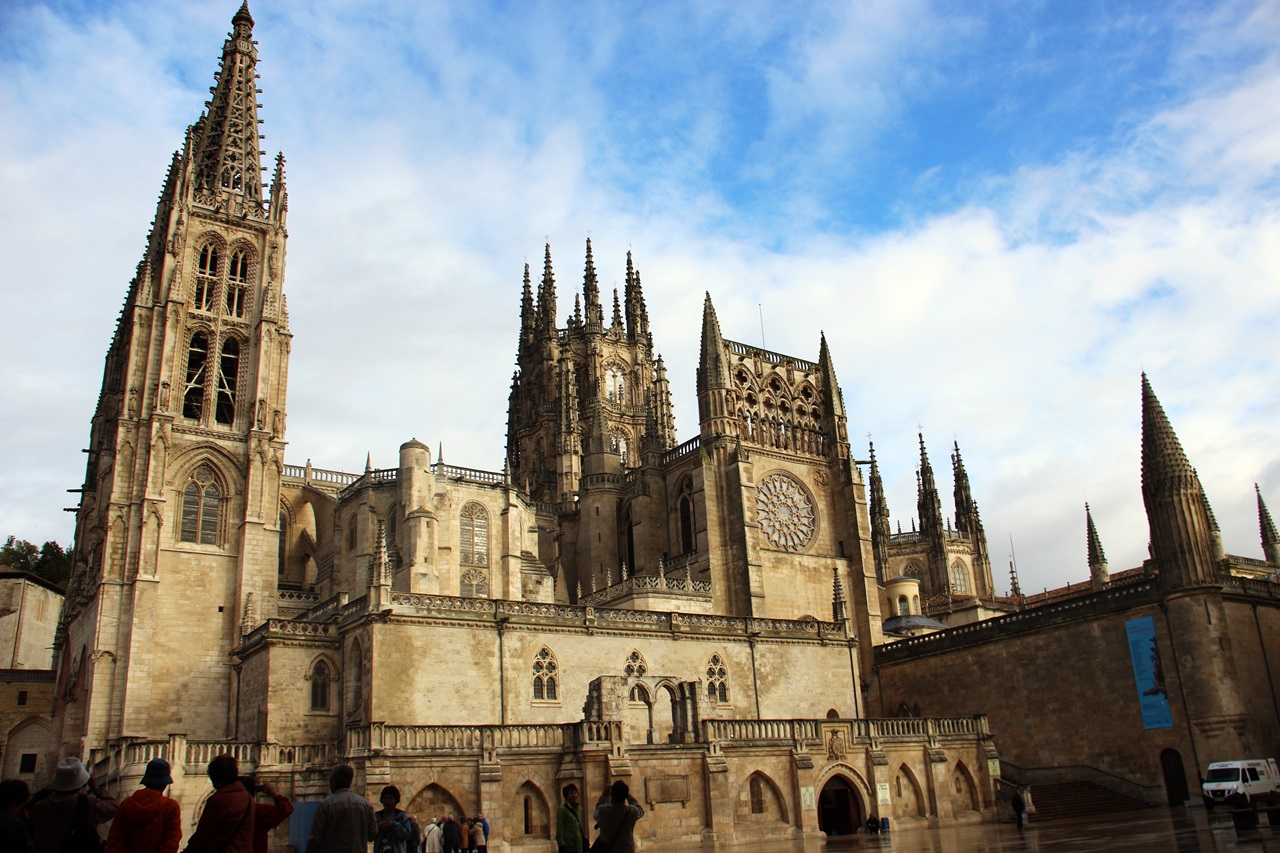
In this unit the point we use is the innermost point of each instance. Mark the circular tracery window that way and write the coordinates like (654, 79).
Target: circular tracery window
(786, 513)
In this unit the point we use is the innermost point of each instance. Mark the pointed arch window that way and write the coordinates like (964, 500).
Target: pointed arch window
(904, 608)
(201, 505)
(228, 375)
(546, 676)
(636, 666)
(473, 526)
(959, 578)
(618, 444)
(717, 680)
(474, 584)
(283, 559)
(615, 385)
(321, 684)
(206, 277)
(238, 283)
(688, 539)
(351, 533)
(197, 362)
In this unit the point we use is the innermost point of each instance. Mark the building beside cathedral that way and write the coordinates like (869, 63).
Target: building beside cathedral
(698, 618)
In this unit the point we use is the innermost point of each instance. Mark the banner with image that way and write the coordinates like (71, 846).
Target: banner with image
(1148, 673)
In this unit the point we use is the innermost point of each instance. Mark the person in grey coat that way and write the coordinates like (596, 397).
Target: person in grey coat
(617, 818)
(344, 822)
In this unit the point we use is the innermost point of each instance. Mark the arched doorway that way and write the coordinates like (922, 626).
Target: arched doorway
(1175, 777)
(839, 808)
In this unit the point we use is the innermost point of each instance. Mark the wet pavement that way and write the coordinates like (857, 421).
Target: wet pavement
(1180, 830)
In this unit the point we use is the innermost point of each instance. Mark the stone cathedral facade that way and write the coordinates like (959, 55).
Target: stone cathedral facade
(697, 618)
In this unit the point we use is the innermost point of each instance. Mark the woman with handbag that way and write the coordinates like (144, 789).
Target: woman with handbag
(617, 821)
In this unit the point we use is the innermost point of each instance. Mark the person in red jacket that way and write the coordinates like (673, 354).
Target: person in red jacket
(267, 816)
(226, 825)
(148, 821)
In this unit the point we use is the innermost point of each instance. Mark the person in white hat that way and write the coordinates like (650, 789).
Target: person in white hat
(65, 803)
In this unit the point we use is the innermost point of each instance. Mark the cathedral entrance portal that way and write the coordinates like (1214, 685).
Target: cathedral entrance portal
(839, 809)
(1175, 777)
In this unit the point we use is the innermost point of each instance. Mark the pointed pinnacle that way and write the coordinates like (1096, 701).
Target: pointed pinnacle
(1097, 556)
(1266, 526)
(1163, 461)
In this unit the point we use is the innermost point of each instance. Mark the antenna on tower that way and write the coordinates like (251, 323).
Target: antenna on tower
(1015, 589)
(760, 308)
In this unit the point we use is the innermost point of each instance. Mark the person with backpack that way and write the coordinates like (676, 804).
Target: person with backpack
(226, 824)
(70, 810)
(148, 821)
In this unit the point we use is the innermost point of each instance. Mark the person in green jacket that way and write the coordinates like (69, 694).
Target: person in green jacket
(571, 835)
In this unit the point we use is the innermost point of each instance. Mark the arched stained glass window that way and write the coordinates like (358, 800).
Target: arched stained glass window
(206, 278)
(959, 578)
(473, 527)
(197, 364)
(717, 680)
(228, 376)
(201, 504)
(321, 681)
(546, 676)
(474, 583)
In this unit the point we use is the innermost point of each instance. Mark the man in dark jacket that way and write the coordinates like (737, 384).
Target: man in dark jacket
(452, 835)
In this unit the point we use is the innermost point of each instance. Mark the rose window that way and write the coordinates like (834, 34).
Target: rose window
(786, 513)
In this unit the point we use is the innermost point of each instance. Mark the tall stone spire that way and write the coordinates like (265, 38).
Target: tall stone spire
(1267, 527)
(969, 523)
(1098, 574)
(527, 314)
(880, 532)
(713, 377)
(617, 311)
(546, 308)
(633, 295)
(591, 294)
(228, 157)
(928, 504)
(1177, 514)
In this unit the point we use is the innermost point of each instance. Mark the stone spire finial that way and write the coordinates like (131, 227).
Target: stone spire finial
(879, 518)
(712, 370)
(837, 596)
(1015, 591)
(368, 462)
(1267, 528)
(1098, 573)
(379, 563)
(617, 310)
(591, 294)
(546, 307)
(228, 156)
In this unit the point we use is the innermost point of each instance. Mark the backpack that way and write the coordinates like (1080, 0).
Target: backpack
(82, 836)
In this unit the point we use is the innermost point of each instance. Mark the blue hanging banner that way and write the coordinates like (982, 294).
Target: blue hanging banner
(1148, 673)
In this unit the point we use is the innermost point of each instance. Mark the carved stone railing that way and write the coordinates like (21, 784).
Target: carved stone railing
(774, 357)
(870, 731)
(353, 608)
(298, 595)
(668, 582)
(288, 628)
(319, 475)
(201, 752)
(386, 736)
(1086, 606)
(473, 475)
(794, 731)
(683, 450)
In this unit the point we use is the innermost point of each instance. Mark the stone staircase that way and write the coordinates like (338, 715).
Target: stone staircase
(1060, 800)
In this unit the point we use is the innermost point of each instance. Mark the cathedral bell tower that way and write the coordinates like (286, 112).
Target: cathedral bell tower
(178, 526)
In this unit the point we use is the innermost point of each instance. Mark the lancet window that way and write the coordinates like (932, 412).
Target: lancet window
(197, 362)
(618, 444)
(615, 384)
(959, 578)
(717, 680)
(238, 283)
(206, 277)
(321, 683)
(228, 373)
(546, 676)
(201, 506)
(688, 536)
(473, 526)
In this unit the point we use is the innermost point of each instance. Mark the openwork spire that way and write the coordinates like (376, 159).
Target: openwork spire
(712, 370)
(1098, 573)
(879, 518)
(546, 308)
(928, 504)
(228, 158)
(1267, 527)
(591, 293)
(837, 596)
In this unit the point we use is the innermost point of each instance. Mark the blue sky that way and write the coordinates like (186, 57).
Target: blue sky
(999, 213)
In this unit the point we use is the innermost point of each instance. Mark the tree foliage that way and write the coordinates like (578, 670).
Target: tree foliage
(48, 561)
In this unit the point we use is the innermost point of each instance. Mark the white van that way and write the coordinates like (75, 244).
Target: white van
(1243, 780)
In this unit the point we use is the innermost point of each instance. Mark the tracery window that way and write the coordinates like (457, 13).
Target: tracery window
(615, 384)
(636, 667)
(238, 283)
(201, 505)
(717, 680)
(959, 578)
(206, 278)
(321, 680)
(197, 361)
(473, 527)
(228, 373)
(474, 583)
(546, 676)
(912, 571)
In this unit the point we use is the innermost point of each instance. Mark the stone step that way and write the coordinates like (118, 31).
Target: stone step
(1060, 800)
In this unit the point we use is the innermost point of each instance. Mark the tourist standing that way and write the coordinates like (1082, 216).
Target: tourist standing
(571, 835)
(226, 824)
(148, 821)
(14, 834)
(617, 819)
(73, 801)
(395, 828)
(344, 822)
(267, 816)
(452, 835)
(433, 841)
